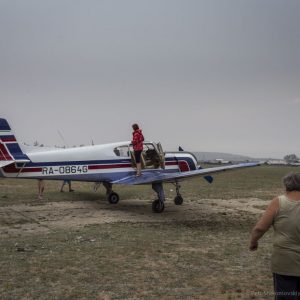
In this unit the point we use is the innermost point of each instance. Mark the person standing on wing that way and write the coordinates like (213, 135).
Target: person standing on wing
(137, 142)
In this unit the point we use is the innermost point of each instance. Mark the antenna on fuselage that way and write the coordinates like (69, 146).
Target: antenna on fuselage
(61, 136)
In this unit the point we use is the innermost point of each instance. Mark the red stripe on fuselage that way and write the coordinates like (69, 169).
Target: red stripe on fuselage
(171, 163)
(5, 153)
(112, 166)
(12, 169)
(8, 139)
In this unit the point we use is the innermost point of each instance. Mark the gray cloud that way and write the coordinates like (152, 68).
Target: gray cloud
(208, 75)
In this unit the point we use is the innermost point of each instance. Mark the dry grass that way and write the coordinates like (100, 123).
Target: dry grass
(202, 258)
(135, 261)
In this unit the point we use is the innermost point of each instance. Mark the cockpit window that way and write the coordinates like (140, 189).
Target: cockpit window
(148, 146)
(122, 151)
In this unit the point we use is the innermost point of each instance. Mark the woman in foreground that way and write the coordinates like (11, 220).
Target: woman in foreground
(284, 214)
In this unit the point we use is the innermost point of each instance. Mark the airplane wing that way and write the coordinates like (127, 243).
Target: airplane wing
(156, 176)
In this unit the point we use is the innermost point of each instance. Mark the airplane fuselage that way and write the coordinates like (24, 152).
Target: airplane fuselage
(91, 163)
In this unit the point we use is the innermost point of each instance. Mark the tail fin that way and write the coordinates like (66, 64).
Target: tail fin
(10, 150)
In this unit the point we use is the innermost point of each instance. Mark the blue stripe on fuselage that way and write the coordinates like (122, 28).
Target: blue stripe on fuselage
(82, 162)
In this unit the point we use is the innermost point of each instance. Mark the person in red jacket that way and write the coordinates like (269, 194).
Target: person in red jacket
(137, 142)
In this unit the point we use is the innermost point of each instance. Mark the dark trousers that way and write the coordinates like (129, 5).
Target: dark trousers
(286, 287)
(137, 154)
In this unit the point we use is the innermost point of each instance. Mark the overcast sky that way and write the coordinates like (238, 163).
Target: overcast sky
(220, 76)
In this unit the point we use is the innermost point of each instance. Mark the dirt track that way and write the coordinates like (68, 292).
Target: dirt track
(48, 216)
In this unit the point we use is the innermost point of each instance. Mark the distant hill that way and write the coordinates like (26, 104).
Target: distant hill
(206, 156)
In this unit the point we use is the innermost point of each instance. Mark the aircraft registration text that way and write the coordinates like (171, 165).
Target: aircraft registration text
(62, 170)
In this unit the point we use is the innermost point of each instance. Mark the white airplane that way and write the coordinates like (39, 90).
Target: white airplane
(108, 164)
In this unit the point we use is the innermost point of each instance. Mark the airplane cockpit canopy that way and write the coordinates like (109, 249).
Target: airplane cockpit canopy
(152, 155)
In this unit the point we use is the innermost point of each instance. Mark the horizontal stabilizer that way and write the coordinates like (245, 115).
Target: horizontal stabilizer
(4, 163)
(22, 161)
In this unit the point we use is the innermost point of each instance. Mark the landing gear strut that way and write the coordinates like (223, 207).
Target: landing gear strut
(158, 205)
(112, 197)
(178, 200)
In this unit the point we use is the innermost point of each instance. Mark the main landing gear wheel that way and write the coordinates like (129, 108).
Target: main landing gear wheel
(178, 200)
(158, 206)
(113, 198)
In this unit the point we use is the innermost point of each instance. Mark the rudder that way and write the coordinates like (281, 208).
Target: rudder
(9, 147)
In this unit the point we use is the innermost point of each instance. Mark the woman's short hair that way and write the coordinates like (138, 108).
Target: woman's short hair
(292, 182)
(135, 127)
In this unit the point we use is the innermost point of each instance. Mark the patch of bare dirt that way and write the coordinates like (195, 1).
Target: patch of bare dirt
(47, 216)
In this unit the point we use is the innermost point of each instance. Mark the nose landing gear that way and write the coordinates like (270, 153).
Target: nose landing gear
(178, 200)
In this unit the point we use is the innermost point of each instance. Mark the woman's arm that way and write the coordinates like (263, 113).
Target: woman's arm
(134, 139)
(264, 223)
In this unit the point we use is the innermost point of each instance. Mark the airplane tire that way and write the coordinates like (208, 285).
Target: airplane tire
(178, 200)
(113, 198)
(158, 206)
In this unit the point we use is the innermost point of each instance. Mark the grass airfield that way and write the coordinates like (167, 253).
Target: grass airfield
(78, 246)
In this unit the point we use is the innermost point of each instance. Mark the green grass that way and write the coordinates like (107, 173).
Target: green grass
(262, 182)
